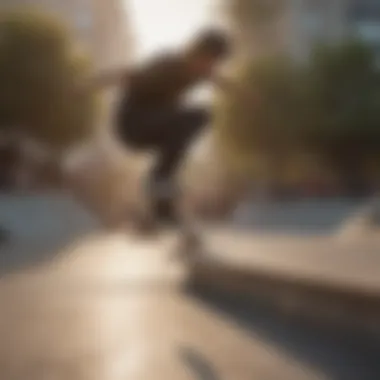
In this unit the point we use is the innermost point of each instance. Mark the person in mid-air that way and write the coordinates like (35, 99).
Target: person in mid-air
(151, 114)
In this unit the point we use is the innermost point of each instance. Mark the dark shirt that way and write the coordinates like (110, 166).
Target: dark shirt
(159, 85)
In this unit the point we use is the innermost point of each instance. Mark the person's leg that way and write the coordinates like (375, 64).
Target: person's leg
(168, 134)
(134, 138)
(176, 138)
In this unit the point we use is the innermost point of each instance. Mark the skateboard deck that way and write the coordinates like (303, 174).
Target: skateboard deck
(186, 243)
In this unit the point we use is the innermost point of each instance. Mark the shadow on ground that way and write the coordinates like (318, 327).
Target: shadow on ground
(341, 355)
(197, 364)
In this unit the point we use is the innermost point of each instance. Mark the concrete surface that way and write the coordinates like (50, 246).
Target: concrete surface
(309, 216)
(112, 306)
(53, 220)
(38, 217)
(351, 264)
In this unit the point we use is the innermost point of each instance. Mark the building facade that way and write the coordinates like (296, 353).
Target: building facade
(295, 26)
(327, 21)
(363, 17)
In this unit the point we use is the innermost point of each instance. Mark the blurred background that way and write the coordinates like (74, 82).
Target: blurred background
(303, 118)
(284, 183)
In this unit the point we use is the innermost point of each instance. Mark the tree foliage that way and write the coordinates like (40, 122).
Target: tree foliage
(345, 89)
(329, 107)
(345, 102)
(250, 12)
(261, 119)
(39, 75)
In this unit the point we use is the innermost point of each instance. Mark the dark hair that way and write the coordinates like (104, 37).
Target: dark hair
(212, 42)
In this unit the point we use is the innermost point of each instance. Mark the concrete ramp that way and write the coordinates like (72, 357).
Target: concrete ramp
(363, 223)
(110, 307)
(320, 278)
(40, 226)
(38, 217)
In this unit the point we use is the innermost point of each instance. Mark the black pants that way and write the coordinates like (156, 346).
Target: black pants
(167, 133)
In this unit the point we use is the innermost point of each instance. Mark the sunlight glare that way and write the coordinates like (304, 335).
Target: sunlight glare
(159, 24)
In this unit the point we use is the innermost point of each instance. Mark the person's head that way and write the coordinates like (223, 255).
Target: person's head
(206, 51)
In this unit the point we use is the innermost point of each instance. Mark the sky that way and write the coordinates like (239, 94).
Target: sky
(166, 23)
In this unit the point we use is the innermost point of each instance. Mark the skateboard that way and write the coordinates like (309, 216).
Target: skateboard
(146, 225)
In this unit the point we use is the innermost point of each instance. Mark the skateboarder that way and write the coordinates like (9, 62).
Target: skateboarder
(151, 114)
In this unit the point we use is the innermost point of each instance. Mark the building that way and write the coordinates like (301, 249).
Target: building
(99, 26)
(330, 21)
(364, 17)
(295, 26)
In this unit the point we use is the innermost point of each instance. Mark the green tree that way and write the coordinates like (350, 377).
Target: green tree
(344, 106)
(328, 108)
(260, 121)
(40, 75)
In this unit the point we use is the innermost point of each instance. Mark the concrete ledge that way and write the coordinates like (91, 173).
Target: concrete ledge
(318, 301)
(39, 226)
(44, 216)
